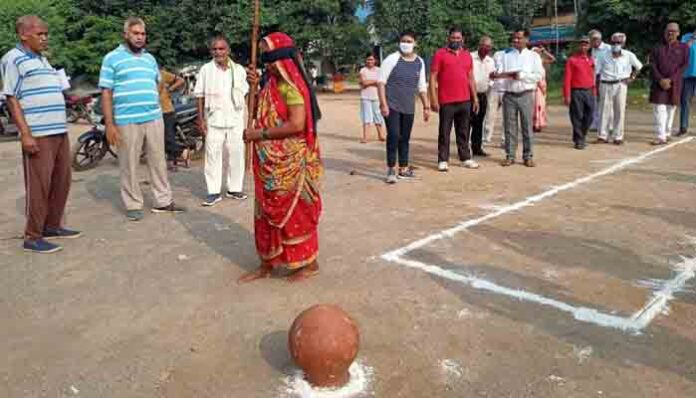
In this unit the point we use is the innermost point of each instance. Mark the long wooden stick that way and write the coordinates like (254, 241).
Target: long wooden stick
(251, 99)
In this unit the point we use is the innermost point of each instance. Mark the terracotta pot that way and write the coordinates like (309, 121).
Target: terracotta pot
(324, 342)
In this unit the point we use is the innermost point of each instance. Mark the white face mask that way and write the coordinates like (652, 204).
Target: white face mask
(616, 48)
(406, 48)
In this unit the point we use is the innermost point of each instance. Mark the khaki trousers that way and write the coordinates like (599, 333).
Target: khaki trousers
(132, 137)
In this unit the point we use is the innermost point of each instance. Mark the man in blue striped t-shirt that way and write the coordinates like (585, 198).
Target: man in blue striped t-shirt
(130, 102)
(35, 99)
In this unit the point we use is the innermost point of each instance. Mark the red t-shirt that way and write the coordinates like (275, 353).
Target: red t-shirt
(452, 75)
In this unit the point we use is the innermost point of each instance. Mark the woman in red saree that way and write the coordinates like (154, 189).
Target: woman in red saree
(286, 165)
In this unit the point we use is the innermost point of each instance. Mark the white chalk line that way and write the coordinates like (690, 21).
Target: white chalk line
(639, 320)
(464, 225)
(634, 323)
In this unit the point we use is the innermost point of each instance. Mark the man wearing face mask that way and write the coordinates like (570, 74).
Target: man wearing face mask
(598, 48)
(401, 77)
(453, 95)
(616, 71)
(130, 102)
(220, 89)
(484, 65)
(668, 61)
(522, 69)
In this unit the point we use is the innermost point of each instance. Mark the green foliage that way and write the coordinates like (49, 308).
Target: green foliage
(431, 21)
(54, 12)
(643, 21)
(83, 31)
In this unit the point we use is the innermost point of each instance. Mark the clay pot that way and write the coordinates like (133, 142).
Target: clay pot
(324, 342)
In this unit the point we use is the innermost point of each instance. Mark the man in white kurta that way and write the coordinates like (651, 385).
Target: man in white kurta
(220, 90)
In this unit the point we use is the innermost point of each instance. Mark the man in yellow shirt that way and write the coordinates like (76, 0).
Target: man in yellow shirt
(169, 83)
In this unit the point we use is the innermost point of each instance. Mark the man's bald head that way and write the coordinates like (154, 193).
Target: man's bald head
(27, 22)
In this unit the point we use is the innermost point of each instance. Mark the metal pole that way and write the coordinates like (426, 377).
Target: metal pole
(555, 6)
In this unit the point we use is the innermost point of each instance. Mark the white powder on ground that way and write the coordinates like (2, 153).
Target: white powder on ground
(295, 385)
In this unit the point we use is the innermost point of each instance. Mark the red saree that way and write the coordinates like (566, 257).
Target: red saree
(286, 174)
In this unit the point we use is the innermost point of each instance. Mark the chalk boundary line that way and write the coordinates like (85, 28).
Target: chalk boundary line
(686, 269)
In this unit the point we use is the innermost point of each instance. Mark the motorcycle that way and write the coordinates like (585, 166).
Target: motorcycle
(8, 131)
(79, 107)
(93, 146)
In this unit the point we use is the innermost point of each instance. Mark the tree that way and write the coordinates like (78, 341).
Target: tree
(643, 21)
(52, 11)
(431, 20)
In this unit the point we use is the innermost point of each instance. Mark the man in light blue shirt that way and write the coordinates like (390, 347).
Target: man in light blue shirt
(35, 98)
(689, 84)
(130, 102)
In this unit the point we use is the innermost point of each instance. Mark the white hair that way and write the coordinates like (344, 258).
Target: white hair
(618, 36)
(594, 33)
(132, 21)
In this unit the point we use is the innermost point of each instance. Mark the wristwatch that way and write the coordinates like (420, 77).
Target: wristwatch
(265, 134)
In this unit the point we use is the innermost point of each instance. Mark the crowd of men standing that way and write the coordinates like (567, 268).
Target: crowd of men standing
(469, 89)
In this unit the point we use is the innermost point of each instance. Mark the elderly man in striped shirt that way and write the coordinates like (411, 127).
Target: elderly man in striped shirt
(130, 101)
(35, 99)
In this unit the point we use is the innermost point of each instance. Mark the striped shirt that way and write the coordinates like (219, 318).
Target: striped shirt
(403, 80)
(29, 78)
(133, 80)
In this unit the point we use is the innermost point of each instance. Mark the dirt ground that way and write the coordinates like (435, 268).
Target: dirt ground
(152, 309)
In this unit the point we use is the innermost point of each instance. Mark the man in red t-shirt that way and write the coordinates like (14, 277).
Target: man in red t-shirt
(453, 95)
(579, 91)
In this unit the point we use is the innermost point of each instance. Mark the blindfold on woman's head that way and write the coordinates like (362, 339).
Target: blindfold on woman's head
(279, 54)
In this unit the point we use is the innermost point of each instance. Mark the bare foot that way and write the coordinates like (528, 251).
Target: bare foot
(363, 141)
(382, 138)
(304, 273)
(262, 272)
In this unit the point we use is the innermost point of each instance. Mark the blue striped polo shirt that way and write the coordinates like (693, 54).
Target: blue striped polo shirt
(133, 80)
(29, 78)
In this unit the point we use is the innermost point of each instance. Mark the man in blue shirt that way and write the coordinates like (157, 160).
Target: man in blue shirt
(129, 80)
(689, 86)
(35, 98)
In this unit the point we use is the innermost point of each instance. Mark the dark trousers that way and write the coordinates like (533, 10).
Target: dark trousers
(477, 120)
(582, 107)
(47, 178)
(399, 126)
(171, 147)
(459, 114)
(688, 92)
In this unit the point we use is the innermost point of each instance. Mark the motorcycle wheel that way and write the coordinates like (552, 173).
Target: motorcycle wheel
(72, 115)
(88, 154)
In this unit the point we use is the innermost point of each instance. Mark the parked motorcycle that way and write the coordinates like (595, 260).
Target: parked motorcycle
(93, 146)
(8, 131)
(79, 107)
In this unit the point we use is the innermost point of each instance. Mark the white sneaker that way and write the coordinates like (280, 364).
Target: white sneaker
(442, 166)
(470, 164)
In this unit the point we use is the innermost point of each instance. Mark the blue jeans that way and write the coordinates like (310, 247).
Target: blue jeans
(688, 92)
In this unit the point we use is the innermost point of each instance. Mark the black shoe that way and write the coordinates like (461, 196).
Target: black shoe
(480, 153)
(61, 233)
(171, 208)
(580, 145)
(236, 195)
(681, 132)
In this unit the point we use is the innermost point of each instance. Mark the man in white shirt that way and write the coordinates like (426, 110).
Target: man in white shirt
(616, 69)
(597, 48)
(522, 69)
(483, 67)
(221, 86)
(495, 100)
